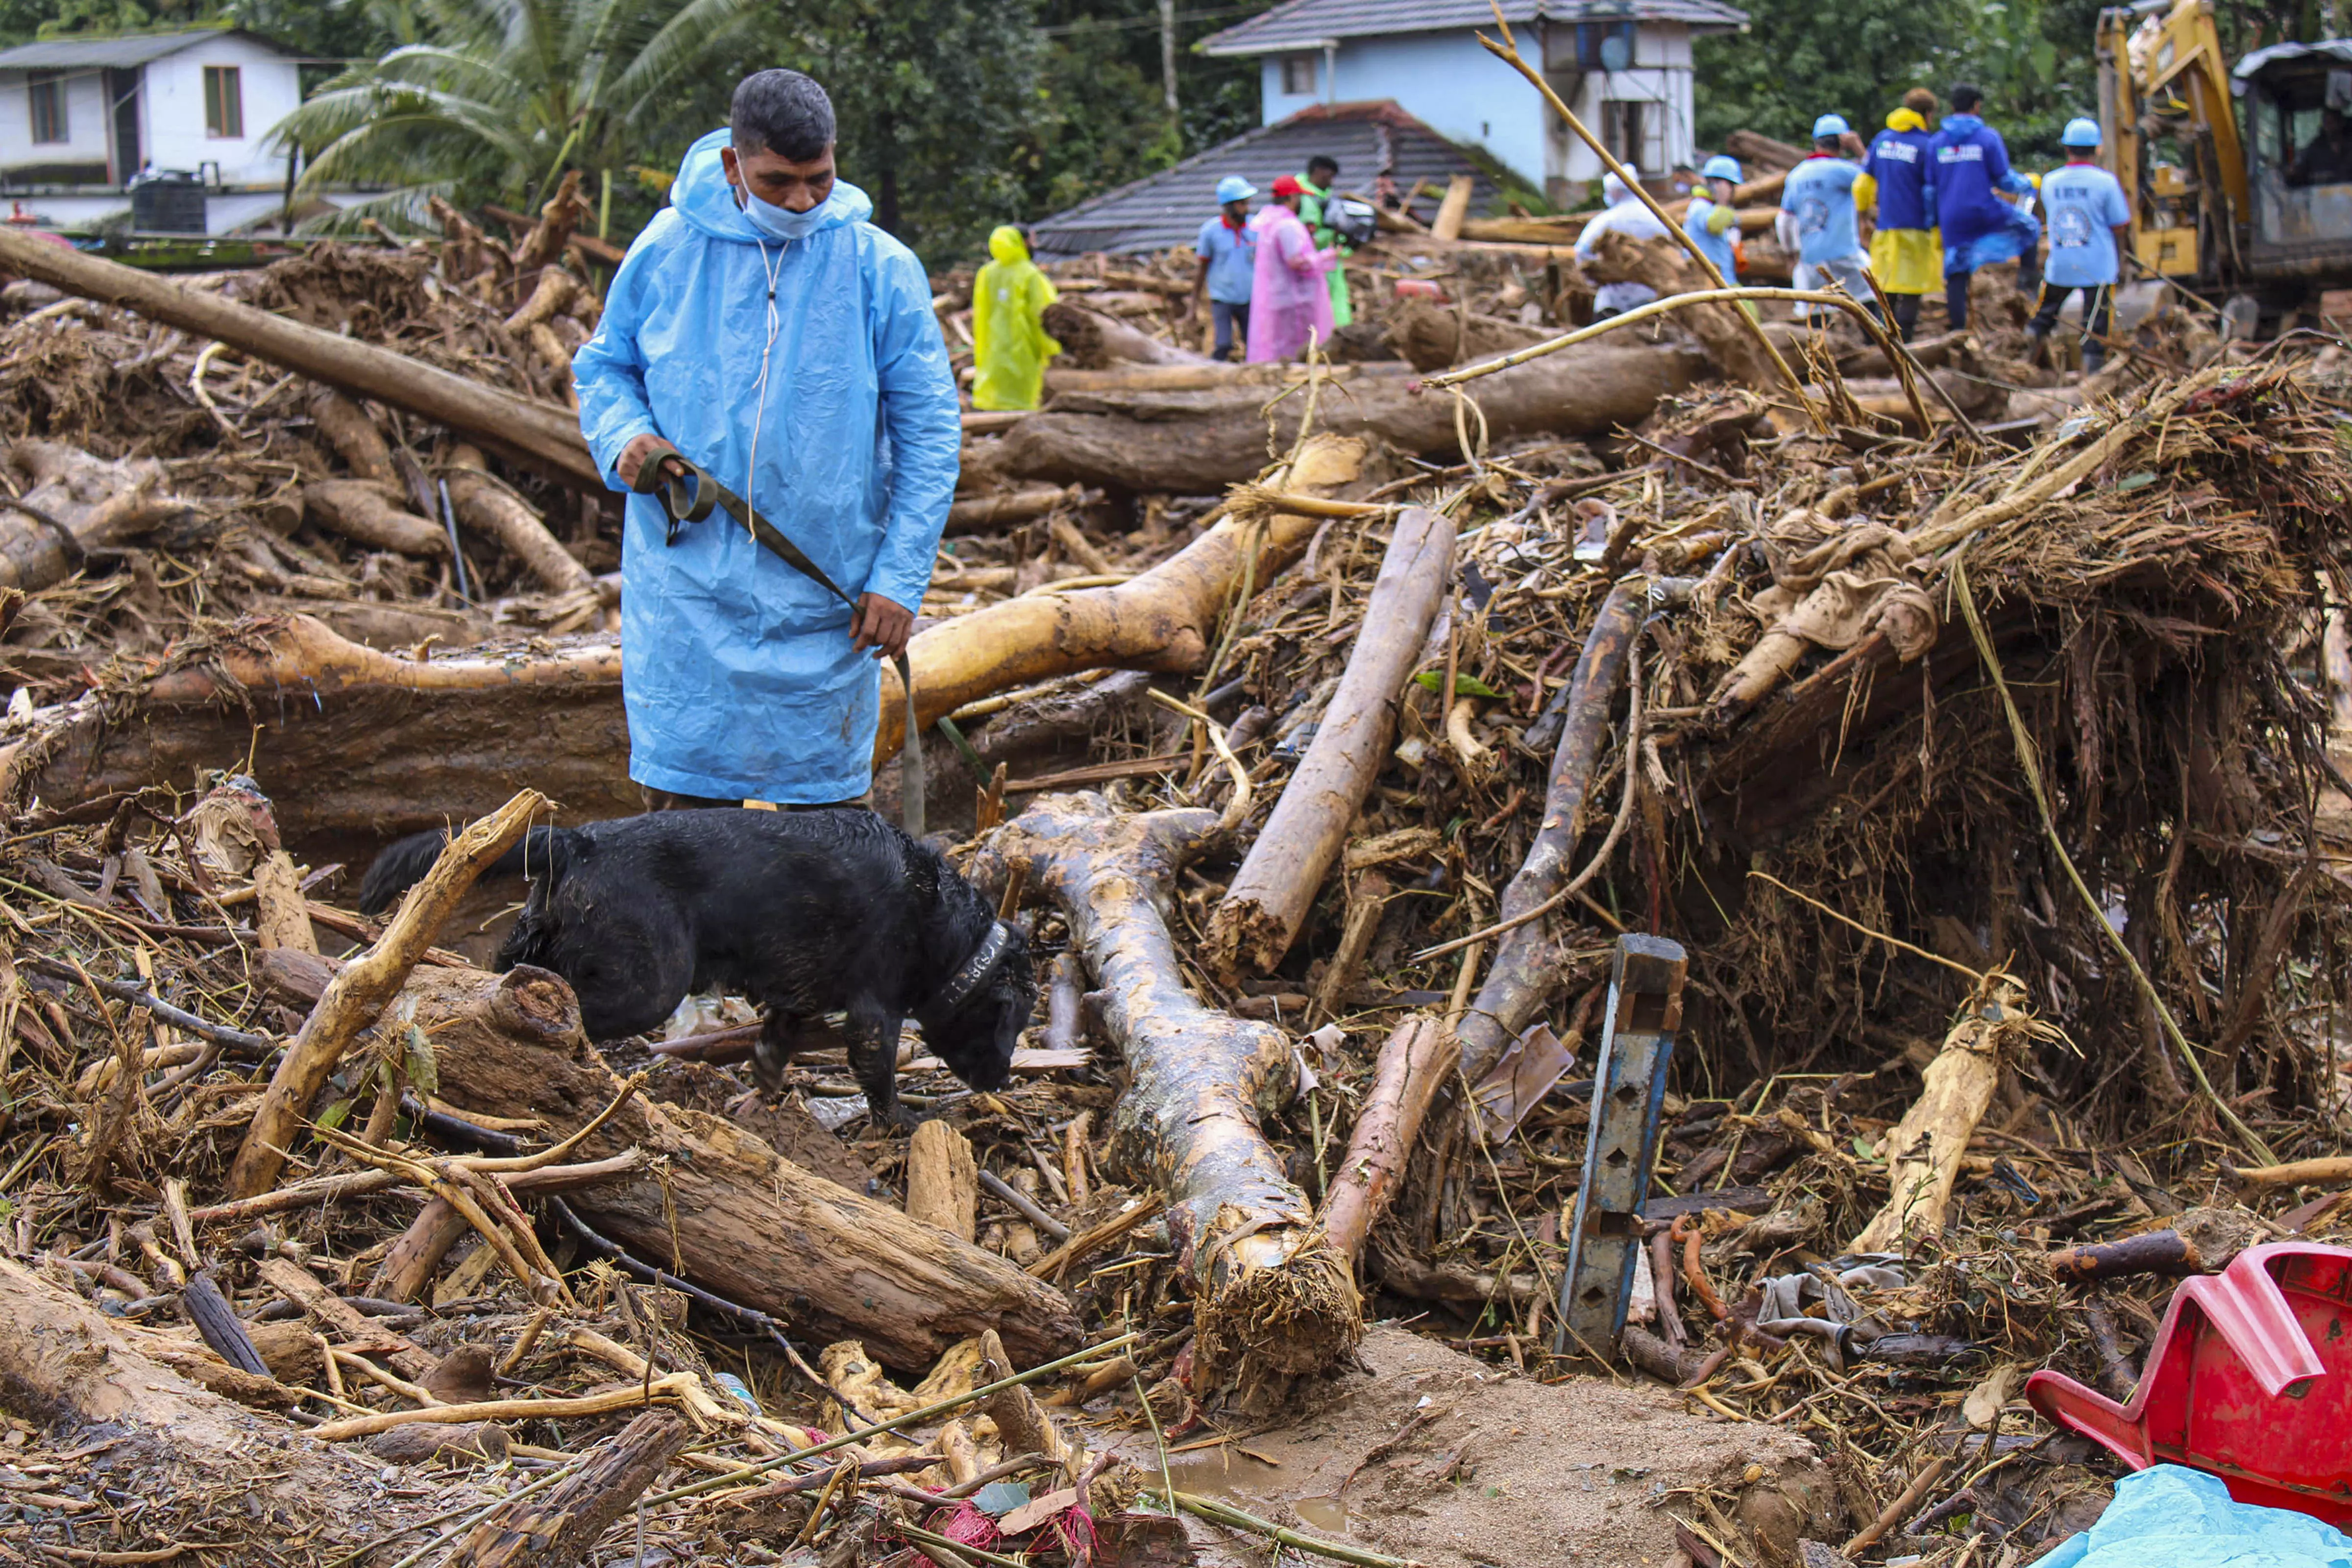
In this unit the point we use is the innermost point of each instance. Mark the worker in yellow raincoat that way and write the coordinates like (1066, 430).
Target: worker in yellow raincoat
(1009, 345)
(1900, 178)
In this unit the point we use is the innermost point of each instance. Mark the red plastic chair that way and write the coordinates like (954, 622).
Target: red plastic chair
(2245, 1380)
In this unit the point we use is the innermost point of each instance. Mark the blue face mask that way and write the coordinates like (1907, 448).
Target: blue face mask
(782, 223)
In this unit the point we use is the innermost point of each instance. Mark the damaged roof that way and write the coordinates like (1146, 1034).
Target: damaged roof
(1169, 207)
(1310, 23)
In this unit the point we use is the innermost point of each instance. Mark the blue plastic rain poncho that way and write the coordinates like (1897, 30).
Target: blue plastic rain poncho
(1290, 305)
(2167, 1516)
(737, 671)
(1979, 228)
(1009, 345)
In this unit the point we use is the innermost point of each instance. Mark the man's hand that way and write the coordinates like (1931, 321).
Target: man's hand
(637, 455)
(1851, 143)
(883, 625)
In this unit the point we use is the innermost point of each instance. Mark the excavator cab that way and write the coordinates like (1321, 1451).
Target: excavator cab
(2295, 101)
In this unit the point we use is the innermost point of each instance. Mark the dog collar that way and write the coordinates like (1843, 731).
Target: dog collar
(976, 969)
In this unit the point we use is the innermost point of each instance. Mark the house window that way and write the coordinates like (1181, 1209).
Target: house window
(224, 102)
(1622, 130)
(48, 95)
(1298, 76)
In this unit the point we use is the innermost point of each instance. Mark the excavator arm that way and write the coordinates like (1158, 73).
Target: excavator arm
(2160, 63)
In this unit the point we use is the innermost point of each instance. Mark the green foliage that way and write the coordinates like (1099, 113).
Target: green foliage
(504, 96)
(1800, 58)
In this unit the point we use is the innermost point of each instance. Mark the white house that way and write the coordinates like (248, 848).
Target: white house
(1623, 66)
(79, 117)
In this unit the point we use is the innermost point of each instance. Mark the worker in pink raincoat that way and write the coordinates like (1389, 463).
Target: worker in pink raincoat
(1290, 302)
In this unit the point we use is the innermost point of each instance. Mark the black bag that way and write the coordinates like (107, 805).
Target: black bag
(1353, 221)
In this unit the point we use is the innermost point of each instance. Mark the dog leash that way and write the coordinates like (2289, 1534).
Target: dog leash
(689, 494)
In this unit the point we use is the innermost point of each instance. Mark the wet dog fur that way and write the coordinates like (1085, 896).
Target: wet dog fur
(805, 912)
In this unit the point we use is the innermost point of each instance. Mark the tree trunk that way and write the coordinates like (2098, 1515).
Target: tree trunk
(1527, 969)
(1587, 390)
(1004, 507)
(483, 503)
(556, 1529)
(541, 435)
(1416, 1062)
(1922, 1152)
(1668, 268)
(1273, 1299)
(1432, 337)
(357, 741)
(1214, 375)
(1162, 620)
(65, 1364)
(353, 436)
(370, 514)
(728, 1211)
(1270, 896)
(1092, 339)
(73, 503)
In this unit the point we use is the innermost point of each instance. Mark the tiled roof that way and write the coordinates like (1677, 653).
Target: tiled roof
(1307, 24)
(1167, 208)
(118, 50)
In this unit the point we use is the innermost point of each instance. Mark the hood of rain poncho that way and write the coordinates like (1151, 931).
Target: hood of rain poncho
(1971, 162)
(1289, 301)
(737, 671)
(1009, 345)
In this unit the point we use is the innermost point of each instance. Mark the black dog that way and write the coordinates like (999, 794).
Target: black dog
(805, 912)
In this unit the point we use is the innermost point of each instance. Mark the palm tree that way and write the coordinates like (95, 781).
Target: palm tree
(504, 97)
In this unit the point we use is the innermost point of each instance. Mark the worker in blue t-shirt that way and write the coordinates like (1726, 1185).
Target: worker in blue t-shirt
(1819, 194)
(1900, 175)
(2088, 221)
(1979, 228)
(1228, 251)
(1711, 221)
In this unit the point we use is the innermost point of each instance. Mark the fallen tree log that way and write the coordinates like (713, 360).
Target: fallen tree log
(353, 436)
(358, 741)
(66, 1365)
(1668, 269)
(1527, 968)
(71, 504)
(370, 513)
(737, 1218)
(1923, 1153)
(556, 1531)
(1416, 1062)
(1432, 337)
(1583, 391)
(354, 739)
(1004, 507)
(1160, 621)
(1210, 376)
(1092, 339)
(542, 436)
(1268, 898)
(1273, 1299)
(483, 503)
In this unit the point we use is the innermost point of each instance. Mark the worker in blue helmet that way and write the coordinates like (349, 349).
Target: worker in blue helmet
(1710, 220)
(1228, 251)
(2089, 222)
(1819, 194)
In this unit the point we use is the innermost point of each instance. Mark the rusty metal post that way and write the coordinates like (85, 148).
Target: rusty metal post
(1629, 1091)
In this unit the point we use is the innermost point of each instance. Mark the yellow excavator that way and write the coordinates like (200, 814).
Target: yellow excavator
(2240, 176)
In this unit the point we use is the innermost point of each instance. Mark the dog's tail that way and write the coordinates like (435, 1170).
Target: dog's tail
(402, 863)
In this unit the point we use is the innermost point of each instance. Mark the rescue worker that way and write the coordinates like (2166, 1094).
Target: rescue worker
(1322, 171)
(762, 328)
(1227, 248)
(1710, 220)
(1009, 345)
(1899, 185)
(1290, 305)
(2089, 224)
(1979, 228)
(1819, 192)
(1627, 215)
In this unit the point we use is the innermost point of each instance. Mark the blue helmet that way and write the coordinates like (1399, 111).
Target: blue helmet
(1831, 125)
(1721, 167)
(1233, 189)
(2081, 132)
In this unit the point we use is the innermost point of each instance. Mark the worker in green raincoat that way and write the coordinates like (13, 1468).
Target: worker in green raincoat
(1321, 170)
(1009, 345)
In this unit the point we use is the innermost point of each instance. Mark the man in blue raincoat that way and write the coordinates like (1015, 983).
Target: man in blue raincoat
(1979, 228)
(762, 328)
